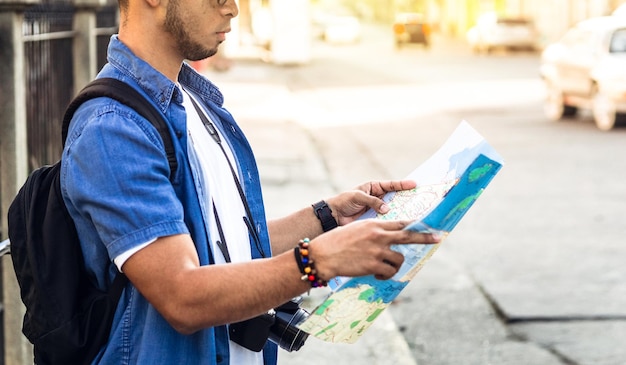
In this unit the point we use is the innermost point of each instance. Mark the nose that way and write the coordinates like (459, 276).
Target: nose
(231, 9)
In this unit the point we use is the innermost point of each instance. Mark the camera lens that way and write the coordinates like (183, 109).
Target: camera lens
(284, 331)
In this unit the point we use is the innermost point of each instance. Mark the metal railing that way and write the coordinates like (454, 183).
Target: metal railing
(51, 61)
(5, 247)
(48, 38)
(48, 41)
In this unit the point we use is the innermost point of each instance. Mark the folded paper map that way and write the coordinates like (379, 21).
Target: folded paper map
(448, 184)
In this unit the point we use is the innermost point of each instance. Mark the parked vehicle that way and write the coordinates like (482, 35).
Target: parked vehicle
(411, 28)
(342, 29)
(492, 31)
(335, 24)
(586, 69)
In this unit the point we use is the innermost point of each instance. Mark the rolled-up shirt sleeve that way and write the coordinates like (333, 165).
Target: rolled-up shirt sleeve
(115, 180)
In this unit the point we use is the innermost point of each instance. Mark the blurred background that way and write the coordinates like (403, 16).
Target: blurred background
(336, 93)
(262, 21)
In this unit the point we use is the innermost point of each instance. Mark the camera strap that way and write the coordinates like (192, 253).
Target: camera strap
(222, 242)
(248, 220)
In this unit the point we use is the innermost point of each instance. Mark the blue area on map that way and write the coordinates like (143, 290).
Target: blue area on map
(473, 171)
(461, 196)
(463, 159)
(382, 290)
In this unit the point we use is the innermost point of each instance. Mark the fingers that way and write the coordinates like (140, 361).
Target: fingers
(405, 236)
(380, 188)
(349, 205)
(375, 190)
(392, 260)
(373, 202)
(386, 264)
(364, 248)
(386, 272)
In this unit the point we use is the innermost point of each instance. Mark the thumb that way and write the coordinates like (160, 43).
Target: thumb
(375, 203)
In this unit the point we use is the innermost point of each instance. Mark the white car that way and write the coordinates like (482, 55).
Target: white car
(620, 11)
(586, 69)
(492, 31)
(342, 29)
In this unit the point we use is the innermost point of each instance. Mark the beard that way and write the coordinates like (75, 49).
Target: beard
(189, 48)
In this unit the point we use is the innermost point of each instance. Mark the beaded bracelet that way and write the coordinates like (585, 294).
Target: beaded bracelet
(306, 265)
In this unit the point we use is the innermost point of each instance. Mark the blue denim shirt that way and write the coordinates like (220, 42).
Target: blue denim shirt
(115, 183)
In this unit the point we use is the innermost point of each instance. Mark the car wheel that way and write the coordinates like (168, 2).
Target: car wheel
(604, 110)
(554, 106)
(477, 48)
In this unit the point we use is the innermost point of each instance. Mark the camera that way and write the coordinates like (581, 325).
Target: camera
(278, 325)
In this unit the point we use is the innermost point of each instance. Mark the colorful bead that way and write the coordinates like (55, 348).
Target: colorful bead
(306, 265)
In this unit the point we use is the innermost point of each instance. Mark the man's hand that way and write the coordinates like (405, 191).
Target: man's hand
(364, 248)
(348, 206)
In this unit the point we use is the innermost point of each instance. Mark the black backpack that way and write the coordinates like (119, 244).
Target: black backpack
(67, 319)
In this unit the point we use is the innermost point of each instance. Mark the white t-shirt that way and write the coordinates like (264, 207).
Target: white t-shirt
(220, 189)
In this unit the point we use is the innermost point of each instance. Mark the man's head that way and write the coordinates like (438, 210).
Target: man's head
(199, 33)
(168, 31)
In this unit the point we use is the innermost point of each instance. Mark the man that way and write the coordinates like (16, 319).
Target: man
(186, 245)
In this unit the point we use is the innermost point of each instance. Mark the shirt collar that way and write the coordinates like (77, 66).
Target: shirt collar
(158, 87)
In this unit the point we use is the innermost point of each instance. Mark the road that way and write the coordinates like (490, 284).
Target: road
(543, 246)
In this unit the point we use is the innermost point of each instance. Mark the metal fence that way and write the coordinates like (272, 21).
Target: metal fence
(48, 38)
(107, 22)
(47, 33)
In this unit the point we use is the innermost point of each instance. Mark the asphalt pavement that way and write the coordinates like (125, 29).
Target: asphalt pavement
(460, 323)
(454, 320)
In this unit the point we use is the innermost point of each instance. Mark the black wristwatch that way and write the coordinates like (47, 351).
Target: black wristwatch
(325, 215)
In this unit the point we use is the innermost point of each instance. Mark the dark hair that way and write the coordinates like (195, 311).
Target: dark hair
(123, 4)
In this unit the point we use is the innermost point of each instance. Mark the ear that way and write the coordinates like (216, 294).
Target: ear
(154, 3)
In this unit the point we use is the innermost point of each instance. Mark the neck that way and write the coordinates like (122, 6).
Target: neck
(149, 42)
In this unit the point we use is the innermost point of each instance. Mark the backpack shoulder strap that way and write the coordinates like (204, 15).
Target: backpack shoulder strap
(127, 95)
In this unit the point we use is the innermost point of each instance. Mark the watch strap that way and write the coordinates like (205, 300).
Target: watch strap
(325, 215)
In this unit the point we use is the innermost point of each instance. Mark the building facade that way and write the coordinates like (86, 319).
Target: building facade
(552, 18)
